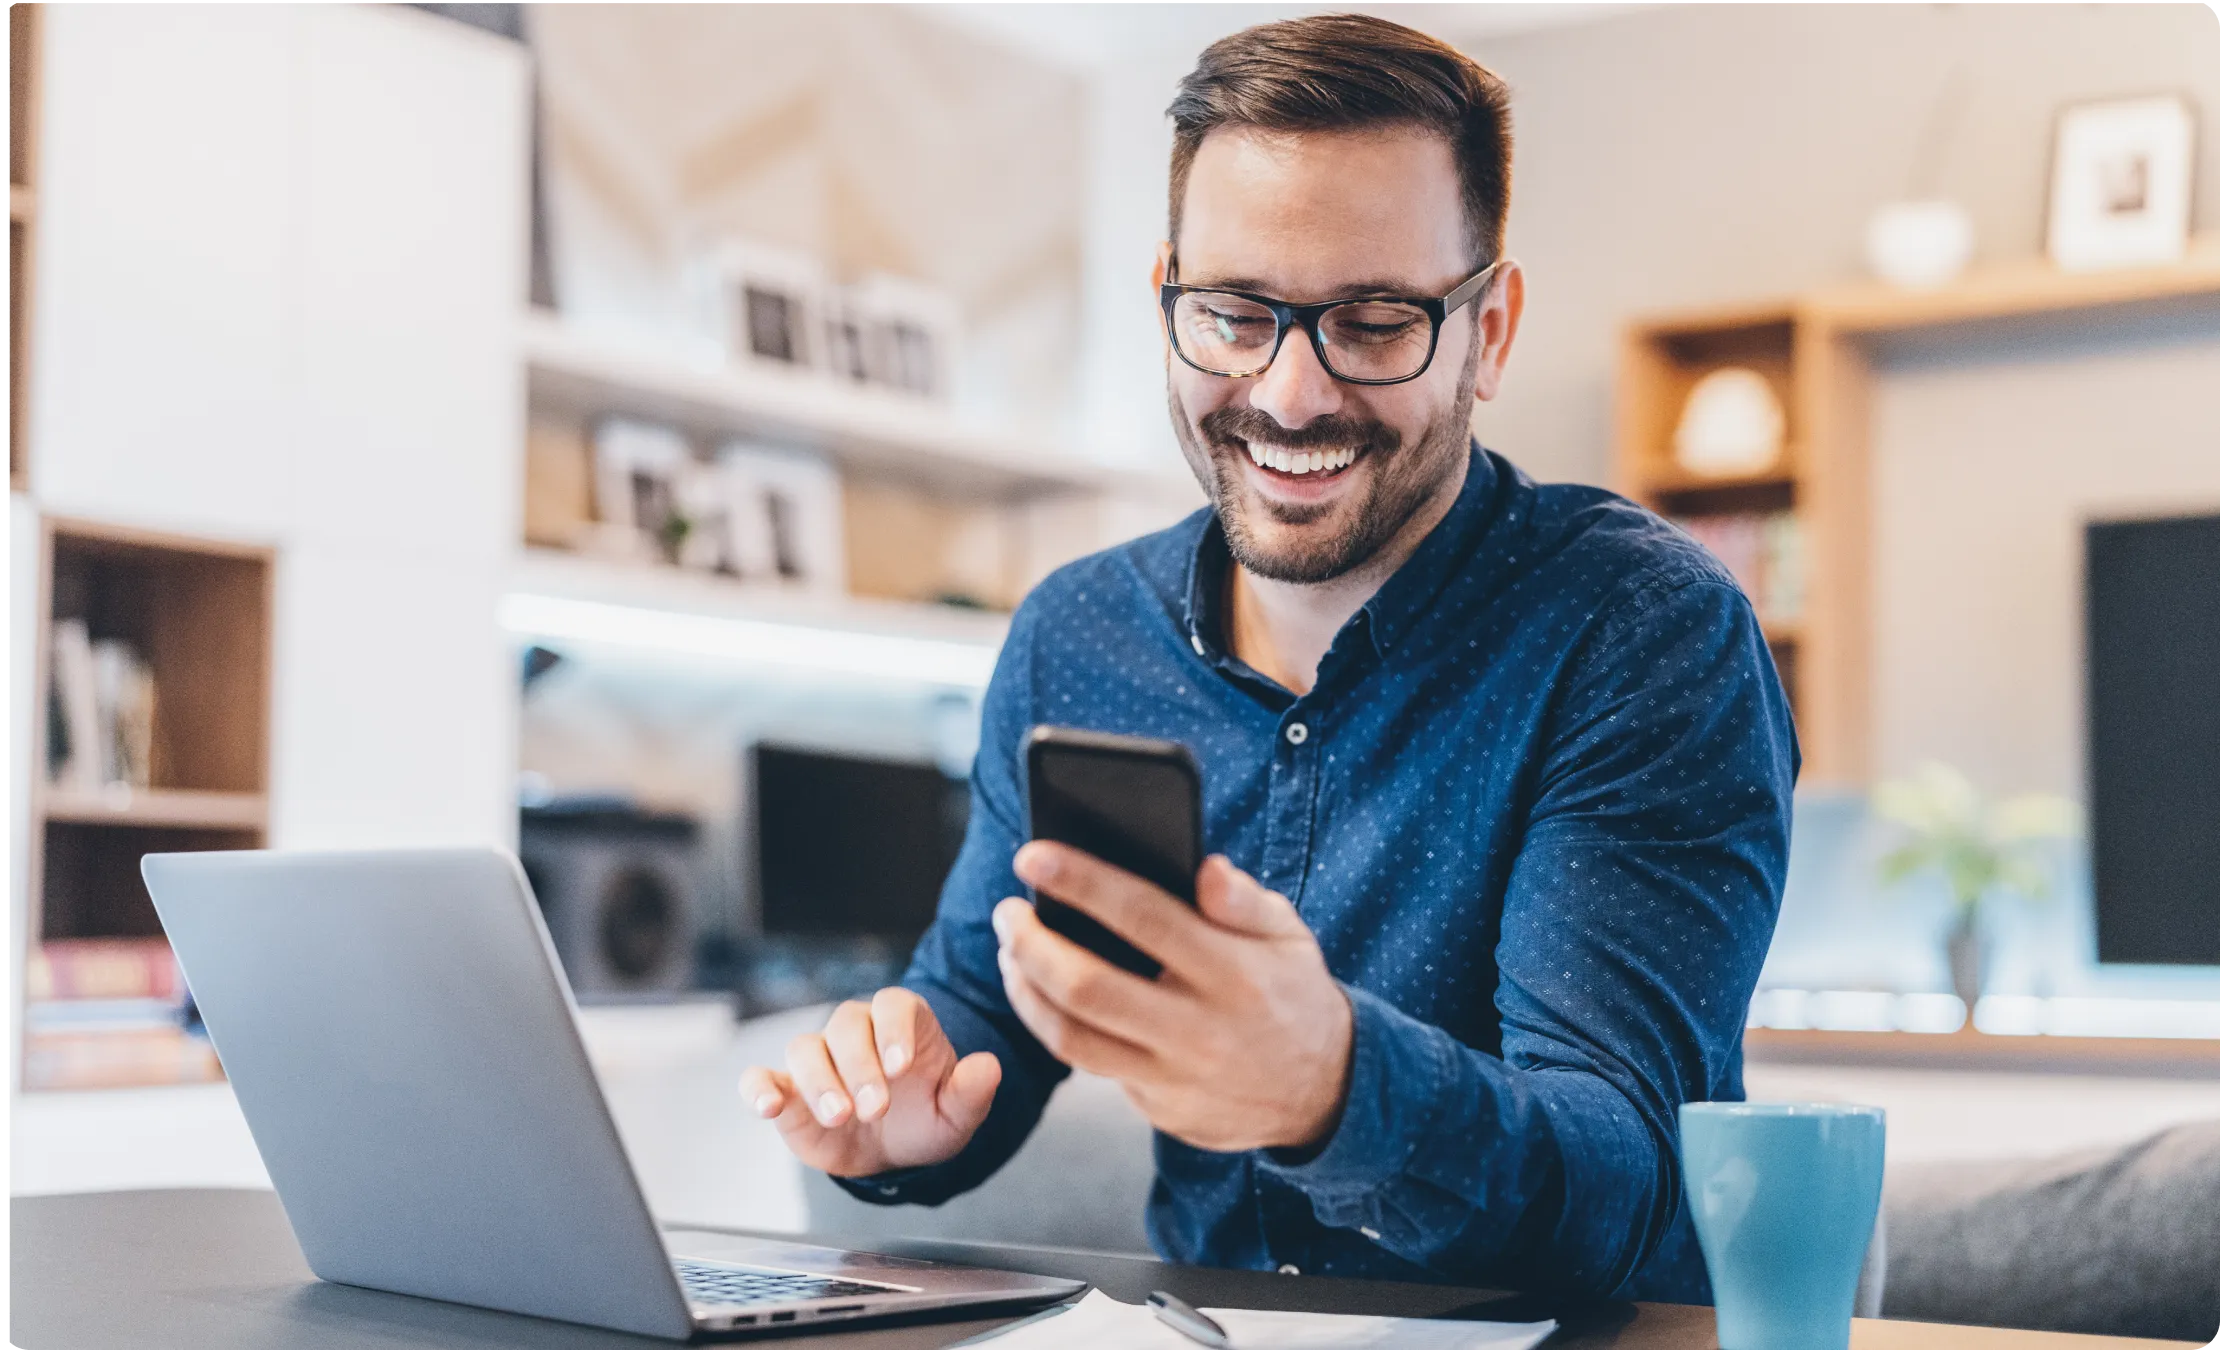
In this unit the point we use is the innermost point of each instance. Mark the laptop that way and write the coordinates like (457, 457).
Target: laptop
(405, 1050)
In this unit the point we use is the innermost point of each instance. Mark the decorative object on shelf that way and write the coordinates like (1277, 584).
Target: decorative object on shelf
(1731, 425)
(637, 468)
(1981, 851)
(786, 515)
(2120, 183)
(909, 333)
(773, 303)
(100, 714)
(1919, 245)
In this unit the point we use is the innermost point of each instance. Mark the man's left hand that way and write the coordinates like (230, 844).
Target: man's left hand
(1242, 1042)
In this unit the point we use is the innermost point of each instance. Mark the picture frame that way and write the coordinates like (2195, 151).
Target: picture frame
(773, 304)
(2121, 182)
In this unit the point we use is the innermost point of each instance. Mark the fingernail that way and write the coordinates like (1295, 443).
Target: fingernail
(767, 1105)
(1002, 920)
(868, 1098)
(828, 1107)
(895, 1057)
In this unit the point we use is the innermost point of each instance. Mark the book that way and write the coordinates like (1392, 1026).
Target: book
(102, 968)
(1764, 551)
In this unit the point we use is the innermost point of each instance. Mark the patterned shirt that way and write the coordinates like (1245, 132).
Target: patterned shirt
(1535, 809)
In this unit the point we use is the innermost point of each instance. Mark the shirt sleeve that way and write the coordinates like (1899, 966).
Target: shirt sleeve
(954, 969)
(1637, 915)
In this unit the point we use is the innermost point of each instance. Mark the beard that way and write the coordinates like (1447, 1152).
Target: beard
(1400, 481)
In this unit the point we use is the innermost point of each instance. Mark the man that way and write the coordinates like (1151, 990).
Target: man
(1498, 774)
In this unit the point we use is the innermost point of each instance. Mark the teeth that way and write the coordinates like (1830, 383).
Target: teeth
(1318, 461)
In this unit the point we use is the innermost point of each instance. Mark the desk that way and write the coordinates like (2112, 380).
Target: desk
(219, 1269)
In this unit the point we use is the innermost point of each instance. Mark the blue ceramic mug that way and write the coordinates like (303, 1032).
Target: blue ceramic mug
(1784, 1196)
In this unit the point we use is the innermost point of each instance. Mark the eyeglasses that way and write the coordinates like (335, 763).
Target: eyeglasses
(1371, 340)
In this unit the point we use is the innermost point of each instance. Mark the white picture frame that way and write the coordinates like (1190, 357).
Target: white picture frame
(638, 468)
(773, 304)
(2120, 183)
(786, 516)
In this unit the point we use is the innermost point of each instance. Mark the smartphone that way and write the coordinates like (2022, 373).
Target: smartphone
(1135, 803)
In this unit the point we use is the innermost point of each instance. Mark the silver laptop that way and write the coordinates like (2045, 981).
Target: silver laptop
(403, 1045)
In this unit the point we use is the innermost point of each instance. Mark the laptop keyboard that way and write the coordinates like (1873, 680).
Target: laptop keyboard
(747, 1286)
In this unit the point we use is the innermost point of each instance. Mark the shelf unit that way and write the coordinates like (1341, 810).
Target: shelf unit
(1817, 350)
(936, 505)
(198, 612)
(576, 371)
(24, 21)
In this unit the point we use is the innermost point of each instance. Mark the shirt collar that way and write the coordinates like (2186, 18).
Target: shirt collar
(1399, 603)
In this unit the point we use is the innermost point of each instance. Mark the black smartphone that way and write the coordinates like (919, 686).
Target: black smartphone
(1135, 803)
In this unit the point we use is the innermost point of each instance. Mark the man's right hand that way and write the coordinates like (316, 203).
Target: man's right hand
(881, 1088)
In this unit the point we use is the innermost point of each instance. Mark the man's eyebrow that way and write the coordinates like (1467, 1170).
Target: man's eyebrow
(1369, 289)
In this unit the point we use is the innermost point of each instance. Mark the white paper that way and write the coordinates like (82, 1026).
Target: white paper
(1099, 1322)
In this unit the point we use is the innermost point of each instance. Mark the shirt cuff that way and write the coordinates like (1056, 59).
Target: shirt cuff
(1398, 1071)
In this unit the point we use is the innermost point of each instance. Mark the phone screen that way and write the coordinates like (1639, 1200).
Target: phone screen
(1133, 803)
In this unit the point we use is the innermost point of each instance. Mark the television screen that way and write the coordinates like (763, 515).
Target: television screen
(847, 846)
(2153, 613)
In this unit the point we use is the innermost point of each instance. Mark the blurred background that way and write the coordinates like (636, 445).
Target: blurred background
(620, 432)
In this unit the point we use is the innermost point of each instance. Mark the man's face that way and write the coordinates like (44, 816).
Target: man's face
(1304, 218)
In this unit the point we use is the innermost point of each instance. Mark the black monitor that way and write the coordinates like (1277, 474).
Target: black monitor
(852, 847)
(2153, 613)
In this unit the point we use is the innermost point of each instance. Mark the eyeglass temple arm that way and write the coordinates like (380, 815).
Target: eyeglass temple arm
(1472, 287)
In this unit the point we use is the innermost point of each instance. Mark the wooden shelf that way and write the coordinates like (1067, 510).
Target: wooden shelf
(198, 614)
(1674, 481)
(22, 202)
(1965, 1049)
(2029, 289)
(865, 430)
(1817, 350)
(159, 808)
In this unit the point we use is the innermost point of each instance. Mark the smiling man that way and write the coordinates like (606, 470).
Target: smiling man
(1497, 774)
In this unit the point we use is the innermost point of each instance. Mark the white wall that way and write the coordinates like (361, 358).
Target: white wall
(282, 254)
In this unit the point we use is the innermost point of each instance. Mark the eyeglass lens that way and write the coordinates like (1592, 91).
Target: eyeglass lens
(1363, 339)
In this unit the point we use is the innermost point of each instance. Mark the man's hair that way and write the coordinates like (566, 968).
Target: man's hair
(1344, 72)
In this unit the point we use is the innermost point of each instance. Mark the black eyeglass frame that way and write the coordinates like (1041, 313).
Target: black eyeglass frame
(1286, 316)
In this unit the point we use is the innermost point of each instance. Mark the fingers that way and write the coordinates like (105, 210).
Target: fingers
(765, 1091)
(854, 1048)
(1231, 898)
(776, 1099)
(816, 1082)
(905, 1028)
(968, 1091)
(1081, 984)
(1142, 914)
(1066, 1037)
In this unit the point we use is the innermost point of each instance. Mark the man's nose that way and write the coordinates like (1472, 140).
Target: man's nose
(1295, 388)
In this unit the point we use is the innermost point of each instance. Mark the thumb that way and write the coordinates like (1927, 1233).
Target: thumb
(968, 1091)
(1231, 898)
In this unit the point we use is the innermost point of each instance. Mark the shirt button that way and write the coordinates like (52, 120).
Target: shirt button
(1372, 1234)
(1195, 640)
(1297, 733)
(1290, 1268)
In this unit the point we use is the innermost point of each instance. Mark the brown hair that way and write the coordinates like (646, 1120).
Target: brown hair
(1340, 72)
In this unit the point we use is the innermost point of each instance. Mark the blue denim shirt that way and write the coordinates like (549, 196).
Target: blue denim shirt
(1536, 810)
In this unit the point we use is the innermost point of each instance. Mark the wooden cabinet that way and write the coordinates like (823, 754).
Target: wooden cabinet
(1817, 351)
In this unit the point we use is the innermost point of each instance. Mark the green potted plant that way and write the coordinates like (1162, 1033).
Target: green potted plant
(1982, 851)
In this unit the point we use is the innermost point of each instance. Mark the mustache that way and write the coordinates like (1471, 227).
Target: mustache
(1223, 425)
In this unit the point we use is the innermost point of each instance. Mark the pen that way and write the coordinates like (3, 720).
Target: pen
(1174, 1313)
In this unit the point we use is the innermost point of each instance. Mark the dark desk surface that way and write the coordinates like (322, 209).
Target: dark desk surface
(219, 1269)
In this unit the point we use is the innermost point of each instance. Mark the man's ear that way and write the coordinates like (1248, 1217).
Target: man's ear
(1494, 328)
(1158, 275)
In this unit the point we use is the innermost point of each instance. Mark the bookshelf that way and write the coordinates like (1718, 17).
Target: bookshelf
(103, 1007)
(934, 504)
(1817, 352)
(23, 111)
